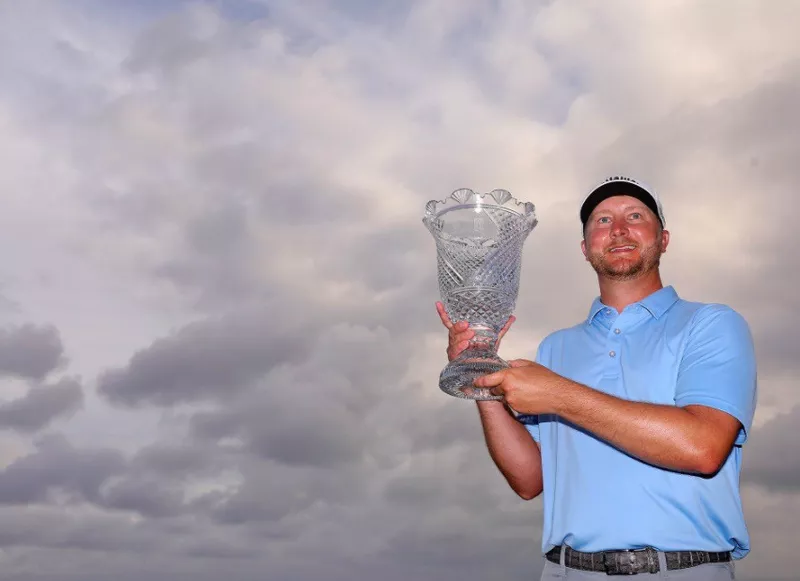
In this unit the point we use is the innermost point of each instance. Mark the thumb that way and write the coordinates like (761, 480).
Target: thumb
(491, 379)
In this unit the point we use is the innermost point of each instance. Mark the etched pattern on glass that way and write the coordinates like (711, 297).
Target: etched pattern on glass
(479, 240)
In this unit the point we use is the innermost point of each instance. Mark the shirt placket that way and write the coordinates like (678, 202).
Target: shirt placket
(614, 344)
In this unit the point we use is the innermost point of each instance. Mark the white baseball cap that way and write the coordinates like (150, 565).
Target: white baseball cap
(621, 186)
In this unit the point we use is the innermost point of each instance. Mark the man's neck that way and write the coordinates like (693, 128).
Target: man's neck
(621, 293)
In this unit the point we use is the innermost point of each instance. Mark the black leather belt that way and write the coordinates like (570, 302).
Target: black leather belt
(633, 561)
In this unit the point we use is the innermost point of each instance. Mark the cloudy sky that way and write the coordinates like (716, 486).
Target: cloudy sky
(219, 348)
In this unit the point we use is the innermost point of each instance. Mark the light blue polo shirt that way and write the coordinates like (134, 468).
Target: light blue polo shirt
(662, 350)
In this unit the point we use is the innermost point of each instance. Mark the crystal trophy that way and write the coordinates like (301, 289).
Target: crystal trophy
(479, 240)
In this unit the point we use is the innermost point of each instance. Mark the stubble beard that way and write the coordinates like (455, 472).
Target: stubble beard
(649, 260)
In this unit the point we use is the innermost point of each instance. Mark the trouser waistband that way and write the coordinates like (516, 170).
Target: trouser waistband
(633, 561)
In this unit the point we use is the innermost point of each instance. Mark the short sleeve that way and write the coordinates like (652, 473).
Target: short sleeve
(531, 421)
(718, 367)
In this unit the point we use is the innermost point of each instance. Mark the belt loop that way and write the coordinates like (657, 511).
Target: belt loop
(562, 559)
(662, 564)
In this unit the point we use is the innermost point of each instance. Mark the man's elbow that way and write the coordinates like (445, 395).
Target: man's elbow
(528, 493)
(708, 460)
(709, 450)
(707, 468)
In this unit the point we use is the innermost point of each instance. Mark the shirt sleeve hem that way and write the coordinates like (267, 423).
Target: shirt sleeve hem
(531, 423)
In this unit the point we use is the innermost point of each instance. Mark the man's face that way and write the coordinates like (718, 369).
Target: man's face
(623, 239)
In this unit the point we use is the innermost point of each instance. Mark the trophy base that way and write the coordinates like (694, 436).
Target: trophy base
(458, 376)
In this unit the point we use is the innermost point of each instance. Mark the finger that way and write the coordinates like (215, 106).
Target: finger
(443, 315)
(455, 349)
(490, 380)
(466, 335)
(506, 327)
(461, 326)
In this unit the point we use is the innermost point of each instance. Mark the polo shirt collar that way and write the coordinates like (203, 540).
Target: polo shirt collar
(596, 307)
(656, 303)
(660, 301)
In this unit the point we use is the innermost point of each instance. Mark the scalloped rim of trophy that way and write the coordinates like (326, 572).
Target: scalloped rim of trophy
(466, 197)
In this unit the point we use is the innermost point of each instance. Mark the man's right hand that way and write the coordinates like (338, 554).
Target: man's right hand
(459, 333)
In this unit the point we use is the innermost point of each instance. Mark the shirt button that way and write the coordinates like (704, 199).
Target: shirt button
(616, 331)
(608, 311)
(612, 353)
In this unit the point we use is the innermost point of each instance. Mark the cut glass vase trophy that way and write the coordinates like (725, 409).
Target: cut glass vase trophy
(479, 240)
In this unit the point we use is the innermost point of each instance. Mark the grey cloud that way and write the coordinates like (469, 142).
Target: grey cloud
(209, 360)
(146, 496)
(770, 455)
(466, 520)
(458, 480)
(240, 510)
(259, 191)
(772, 517)
(41, 405)
(9, 305)
(391, 258)
(174, 42)
(58, 468)
(153, 484)
(324, 441)
(257, 188)
(331, 376)
(215, 425)
(279, 501)
(228, 252)
(311, 413)
(159, 477)
(30, 351)
(51, 527)
(175, 460)
(324, 435)
(461, 551)
(446, 428)
(220, 549)
(218, 255)
(48, 544)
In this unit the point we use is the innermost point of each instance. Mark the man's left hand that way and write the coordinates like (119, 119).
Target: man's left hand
(527, 387)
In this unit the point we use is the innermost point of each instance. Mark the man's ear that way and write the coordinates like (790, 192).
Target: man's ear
(664, 240)
(583, 248)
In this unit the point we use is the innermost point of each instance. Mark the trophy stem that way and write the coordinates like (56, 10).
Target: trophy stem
(479, 358)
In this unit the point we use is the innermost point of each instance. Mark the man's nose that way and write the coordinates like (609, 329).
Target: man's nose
(619, 228)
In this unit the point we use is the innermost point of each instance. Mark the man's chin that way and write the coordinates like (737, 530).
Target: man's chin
(619, 271)
(623, 267)
(623, 275)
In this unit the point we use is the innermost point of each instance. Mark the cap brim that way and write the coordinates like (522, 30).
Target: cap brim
(619, 188)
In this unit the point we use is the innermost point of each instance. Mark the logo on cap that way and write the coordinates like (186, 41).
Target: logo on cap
(621, 179)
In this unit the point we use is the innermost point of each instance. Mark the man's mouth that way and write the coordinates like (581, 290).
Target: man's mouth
(624, 248)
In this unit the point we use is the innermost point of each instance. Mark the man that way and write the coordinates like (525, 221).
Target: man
(631, 422)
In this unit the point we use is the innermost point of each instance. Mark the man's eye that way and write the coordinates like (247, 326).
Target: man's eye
(636, 215)
(603, 219)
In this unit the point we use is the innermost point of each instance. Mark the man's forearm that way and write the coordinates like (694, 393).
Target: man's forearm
(663, 435)
(512, 448)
